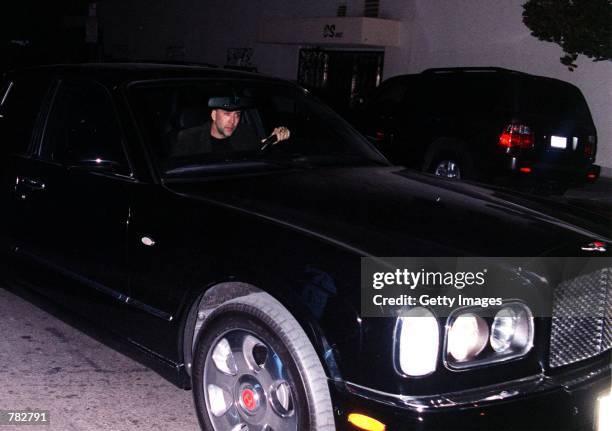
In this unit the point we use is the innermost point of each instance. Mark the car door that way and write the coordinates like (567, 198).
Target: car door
(20, 105)
(77, 188)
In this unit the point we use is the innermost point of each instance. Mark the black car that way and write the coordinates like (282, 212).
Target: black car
(237, 273)
(489, 124)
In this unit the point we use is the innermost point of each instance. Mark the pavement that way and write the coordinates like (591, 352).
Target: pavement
(596, 196)
(600, 189)
(46, 364)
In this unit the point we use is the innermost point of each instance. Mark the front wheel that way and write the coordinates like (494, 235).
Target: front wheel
(255, 369)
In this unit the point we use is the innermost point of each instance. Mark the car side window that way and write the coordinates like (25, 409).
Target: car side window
(20, 104)
(83, 129)
(389, 97)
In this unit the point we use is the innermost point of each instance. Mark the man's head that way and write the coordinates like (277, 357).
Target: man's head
(226, 114)
(224, 123)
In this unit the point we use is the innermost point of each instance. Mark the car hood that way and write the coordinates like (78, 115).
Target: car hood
(390, 211)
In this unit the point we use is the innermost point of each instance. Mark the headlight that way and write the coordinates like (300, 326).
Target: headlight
(467, 337)
(473, 340)
(417, 339)
(511, 331)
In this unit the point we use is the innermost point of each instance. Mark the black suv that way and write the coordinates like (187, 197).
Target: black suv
(488, 123)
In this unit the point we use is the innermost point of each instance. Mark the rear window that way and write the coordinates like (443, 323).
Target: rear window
(557, 99)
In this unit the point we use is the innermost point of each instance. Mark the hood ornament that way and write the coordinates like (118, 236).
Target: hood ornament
(595, 246)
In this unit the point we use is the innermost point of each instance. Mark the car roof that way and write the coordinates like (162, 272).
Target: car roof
(127, 72)
(477, 73)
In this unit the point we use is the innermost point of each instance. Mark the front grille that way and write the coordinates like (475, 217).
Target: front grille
(582, 318)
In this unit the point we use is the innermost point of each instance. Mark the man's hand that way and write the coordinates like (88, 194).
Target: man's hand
(281, 133)
(277, 135)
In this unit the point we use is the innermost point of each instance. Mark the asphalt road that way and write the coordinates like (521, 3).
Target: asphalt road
(47, 364)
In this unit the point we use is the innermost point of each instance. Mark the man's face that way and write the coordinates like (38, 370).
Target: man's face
(224, 123)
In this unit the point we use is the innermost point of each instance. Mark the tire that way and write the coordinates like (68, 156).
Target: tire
(447, 168)
(254, 365)
(452, 166)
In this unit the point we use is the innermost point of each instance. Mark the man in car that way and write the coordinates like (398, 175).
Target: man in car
(224, 133)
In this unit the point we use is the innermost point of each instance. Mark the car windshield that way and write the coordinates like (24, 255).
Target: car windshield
(175, 118)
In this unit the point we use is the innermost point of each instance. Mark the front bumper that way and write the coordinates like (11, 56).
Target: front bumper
(562, 402)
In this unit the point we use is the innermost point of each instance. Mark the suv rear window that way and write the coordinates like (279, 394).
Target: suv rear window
(554, 98)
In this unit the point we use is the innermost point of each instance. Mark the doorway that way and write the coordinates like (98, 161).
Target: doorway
(340, 78)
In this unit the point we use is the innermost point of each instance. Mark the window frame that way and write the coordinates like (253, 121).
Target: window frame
(155, 161)
(55, 89)
(11, 84)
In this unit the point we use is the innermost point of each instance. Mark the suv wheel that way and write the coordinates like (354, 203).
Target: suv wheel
(448, 169)
(255, 368)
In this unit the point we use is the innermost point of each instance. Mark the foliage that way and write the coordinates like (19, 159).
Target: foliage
(577, 26)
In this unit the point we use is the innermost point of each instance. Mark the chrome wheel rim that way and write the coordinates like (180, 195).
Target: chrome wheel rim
(448, 169)
(246, 385)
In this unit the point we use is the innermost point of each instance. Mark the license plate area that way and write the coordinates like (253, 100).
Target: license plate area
(558, 142)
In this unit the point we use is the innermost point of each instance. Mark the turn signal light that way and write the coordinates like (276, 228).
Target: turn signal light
(366, 423)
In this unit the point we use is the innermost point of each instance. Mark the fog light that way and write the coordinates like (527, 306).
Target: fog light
(467, 337)
(365, 422)
(418, 335)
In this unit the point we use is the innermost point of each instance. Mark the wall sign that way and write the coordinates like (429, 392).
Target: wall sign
(329, 31)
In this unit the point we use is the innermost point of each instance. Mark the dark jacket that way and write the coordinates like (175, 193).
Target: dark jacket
(197, 140)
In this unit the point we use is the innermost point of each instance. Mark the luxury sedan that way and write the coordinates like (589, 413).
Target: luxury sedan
(225, 224)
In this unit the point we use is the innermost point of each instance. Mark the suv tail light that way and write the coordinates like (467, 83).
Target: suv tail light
(517, 136)
(589, 147)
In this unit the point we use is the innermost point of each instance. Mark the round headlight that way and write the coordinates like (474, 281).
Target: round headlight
(503, 329)
(467, 337)
(511, 330)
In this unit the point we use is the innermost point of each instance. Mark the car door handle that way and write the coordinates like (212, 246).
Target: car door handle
(31, 183)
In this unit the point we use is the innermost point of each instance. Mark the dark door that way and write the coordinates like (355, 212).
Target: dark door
(340, 78)
(76, 192)
(20, 104)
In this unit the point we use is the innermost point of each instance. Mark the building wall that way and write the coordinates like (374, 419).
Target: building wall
(435, 33)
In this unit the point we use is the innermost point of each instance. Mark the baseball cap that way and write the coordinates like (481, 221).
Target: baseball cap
(230, 103)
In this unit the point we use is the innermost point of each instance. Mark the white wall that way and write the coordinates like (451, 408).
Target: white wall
(435, 33)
